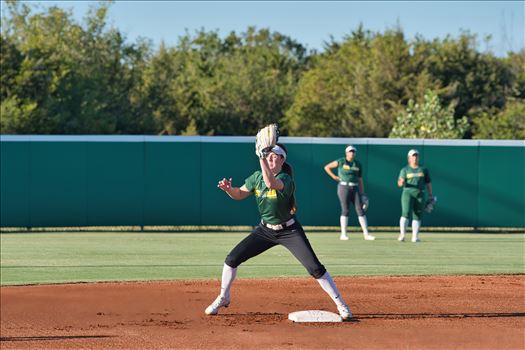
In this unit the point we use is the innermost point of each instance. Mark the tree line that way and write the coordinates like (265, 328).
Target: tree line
(59, 76)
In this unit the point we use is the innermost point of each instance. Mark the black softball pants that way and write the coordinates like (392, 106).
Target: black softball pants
(262, 238)
(349, 194)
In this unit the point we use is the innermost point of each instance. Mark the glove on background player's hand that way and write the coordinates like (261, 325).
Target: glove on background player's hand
(364, 201)
(430, 204)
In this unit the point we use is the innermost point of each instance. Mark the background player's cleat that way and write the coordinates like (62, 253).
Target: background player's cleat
(415, 240)
(343, 238)
(344, 312)
(370, 238)
(213, 309)
(401, 238)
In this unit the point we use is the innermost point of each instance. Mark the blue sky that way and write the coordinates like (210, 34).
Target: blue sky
(312, 22)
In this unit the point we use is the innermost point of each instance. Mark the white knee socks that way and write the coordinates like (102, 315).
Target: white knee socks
(415, 230)
(228, 276)
(343, 220)
(328, 284)
(364, 225)
(402, 227)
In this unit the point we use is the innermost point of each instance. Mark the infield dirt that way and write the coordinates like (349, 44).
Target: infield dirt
(438, 312)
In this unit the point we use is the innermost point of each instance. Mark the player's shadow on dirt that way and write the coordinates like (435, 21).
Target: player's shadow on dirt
(55, 337)
(458, 315)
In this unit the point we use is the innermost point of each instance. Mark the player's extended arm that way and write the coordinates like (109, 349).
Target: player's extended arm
(328, 168)
(270, 181)
(237, 193)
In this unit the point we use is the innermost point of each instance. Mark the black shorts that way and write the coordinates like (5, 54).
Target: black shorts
(262, 238)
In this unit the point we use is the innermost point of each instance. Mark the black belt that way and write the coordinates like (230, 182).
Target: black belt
(412, 186)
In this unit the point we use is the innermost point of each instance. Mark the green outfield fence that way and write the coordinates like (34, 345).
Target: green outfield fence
(69, 181)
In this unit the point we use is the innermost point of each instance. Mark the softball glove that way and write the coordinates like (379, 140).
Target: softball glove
(364, 202)
(266, 138)
(430, 204)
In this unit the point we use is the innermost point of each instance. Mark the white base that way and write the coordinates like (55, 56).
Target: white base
(314, 316)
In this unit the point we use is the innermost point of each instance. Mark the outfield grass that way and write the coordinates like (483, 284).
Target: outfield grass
(28, 258)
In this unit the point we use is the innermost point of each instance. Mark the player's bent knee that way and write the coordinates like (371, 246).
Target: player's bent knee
(232, 261)
(317, 272)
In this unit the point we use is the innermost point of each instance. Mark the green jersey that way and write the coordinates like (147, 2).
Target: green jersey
(274, 206)
(349, 171)
(415, 177)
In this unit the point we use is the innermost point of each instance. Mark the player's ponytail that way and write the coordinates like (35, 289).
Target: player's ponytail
(287, 168)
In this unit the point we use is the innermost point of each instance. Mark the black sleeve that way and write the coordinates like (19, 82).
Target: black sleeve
(427, 176)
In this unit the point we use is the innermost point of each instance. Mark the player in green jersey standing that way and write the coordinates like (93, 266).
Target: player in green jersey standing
(274, 189)
(413, 178)
(350, 188)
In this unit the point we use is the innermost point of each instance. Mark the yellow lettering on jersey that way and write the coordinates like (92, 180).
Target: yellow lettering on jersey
(271, 194)
(346, 167)
(411, 175)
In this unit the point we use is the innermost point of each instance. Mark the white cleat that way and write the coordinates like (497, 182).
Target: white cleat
(343, 238)
(415, 240)
(370, 238)
(401, 238)
(213, 309)
(344, 312)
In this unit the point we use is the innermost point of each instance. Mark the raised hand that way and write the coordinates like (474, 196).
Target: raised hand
(225, 184)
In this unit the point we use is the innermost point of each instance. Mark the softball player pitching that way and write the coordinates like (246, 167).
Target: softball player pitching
(350, 188)
(413, 178)
(274, 188)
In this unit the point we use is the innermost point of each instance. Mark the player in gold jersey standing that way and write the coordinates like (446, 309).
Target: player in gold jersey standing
(413, 178)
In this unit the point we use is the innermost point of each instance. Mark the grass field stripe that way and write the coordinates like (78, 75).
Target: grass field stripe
(65, 257)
